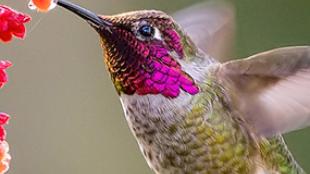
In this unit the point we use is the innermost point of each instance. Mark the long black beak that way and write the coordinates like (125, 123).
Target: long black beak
(92, 18)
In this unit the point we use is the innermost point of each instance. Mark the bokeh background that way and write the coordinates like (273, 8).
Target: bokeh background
(66, 116)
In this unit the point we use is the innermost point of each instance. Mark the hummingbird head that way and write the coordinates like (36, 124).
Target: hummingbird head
(144, 51)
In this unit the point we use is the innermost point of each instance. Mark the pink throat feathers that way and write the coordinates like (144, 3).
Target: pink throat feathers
(147, 67)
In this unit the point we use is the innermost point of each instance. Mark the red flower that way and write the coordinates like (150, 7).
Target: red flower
(12, 23)
(3, 76)
(4, 118)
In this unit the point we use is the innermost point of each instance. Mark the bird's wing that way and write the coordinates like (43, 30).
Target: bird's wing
(271, 89)
(211, 25)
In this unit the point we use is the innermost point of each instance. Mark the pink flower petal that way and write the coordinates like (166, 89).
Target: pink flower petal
(3, 76)
(12, 23)
(4, 118)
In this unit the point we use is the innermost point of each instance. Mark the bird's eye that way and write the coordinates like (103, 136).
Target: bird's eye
(146, 31)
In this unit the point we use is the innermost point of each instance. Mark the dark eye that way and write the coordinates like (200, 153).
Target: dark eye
(146, 30)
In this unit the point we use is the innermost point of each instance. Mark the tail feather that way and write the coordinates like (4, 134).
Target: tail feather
(278, 158)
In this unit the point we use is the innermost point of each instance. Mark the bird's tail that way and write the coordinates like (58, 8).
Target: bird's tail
(277, 157)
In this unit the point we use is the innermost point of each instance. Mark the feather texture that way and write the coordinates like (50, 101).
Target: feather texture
(273, 89)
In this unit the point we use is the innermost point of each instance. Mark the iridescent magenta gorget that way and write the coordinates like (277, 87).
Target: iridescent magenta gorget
(142, 55)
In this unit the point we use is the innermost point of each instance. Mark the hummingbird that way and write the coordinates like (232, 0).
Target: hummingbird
(192, 114)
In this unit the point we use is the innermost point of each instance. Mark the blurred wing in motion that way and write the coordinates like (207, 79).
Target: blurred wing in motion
(211, 25)
(271, 89)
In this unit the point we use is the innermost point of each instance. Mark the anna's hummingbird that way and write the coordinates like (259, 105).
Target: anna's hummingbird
(193, 115)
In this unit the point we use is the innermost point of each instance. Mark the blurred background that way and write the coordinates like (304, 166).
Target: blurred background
(66, 116)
